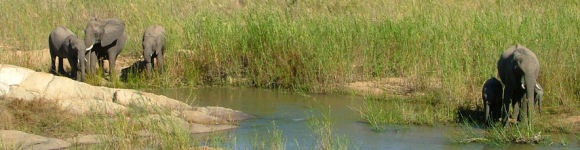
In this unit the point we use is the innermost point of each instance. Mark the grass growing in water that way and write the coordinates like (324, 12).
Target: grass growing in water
(424, 110)
(272, 140)
(326, 138)
(497, 134)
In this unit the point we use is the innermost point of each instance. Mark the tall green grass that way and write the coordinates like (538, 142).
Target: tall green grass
(424, 110)
(317, 45)
(498, 134)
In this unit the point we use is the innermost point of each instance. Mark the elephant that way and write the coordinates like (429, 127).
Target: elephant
(63, 43)
(538, 96)
(154, 47)
(518, 68)
(106, 39)
(491, 94)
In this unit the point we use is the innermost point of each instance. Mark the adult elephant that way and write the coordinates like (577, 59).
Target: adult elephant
(518, 68)
(106, 39)
(63, 43)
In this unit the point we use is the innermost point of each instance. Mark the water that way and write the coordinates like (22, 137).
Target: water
(291, 113)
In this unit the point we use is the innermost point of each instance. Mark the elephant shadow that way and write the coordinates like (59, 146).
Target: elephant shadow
(467, 114)
(131, 71)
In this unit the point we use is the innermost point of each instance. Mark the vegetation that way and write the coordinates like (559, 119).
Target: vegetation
(326, 138)
(311, 45)
(421, 110)
(497, 134)
(121, 130)
(319, 45)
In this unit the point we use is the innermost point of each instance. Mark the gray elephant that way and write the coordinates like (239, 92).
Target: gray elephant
(63, 43)
(538, 96)
(518, 68)
(154, 47)
(491, 94)
(105, 38)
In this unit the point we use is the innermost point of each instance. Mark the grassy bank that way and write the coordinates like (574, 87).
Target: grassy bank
(317, 45)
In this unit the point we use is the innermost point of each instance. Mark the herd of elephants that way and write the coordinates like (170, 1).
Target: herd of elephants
(518, 67)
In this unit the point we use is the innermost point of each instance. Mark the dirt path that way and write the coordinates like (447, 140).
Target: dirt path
(39, 60)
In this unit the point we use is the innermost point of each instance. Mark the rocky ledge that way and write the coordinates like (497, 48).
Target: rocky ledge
(22, 84)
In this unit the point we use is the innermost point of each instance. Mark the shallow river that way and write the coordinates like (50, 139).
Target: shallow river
(291, 113)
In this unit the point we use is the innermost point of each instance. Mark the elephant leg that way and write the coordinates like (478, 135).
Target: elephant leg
(524, 103)
(148, 62)
(60, 66)
(92, 60)
(112, 61)
(487, 112)
(52, 65)
(101, 63)
(160, 63)
(73, 68)
(506, 101)
(516, 104)
(539, 106)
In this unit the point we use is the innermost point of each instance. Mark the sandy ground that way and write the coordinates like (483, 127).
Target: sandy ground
(40, 59)
(402, 86)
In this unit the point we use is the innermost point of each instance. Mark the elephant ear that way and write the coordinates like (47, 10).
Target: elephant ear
(113, 30)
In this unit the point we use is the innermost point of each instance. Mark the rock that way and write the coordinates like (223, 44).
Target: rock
(4, 89)
(203, 128)
(37, 82)
(65, 88)
(166, 123)
(13, 75)
(80, 106)
(89, 139)
(11, 139)
(19, 93)
(127, 97)
(201, 116)
(228, 114)
(18, 83)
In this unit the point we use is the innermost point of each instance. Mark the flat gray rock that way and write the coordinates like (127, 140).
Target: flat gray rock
(204, 128)
(12, 139)
(89, 139)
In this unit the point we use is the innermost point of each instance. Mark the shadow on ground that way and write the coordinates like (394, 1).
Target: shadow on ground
(474, 116)
(135, 69)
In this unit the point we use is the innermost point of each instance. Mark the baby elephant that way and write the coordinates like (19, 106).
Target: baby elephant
(63, 43)
(492, 94)
(154, 47)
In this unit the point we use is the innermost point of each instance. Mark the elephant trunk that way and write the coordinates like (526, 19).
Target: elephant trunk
(81, 65)
(530, 85)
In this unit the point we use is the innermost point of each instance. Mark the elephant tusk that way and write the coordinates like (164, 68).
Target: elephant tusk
(523, 86)
(86, 60)
(538, 86)
(88, 49)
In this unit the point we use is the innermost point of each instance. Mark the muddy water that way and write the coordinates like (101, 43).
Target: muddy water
(291, 113)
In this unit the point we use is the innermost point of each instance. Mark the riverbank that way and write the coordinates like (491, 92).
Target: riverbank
(59, 107)
(437, 54)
